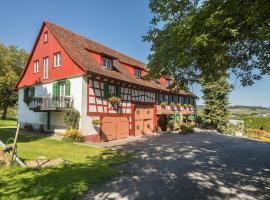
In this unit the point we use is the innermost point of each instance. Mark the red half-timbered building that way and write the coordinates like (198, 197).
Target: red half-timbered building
(66, 70)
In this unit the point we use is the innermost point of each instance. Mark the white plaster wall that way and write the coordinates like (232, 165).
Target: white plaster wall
(86, 126)
(78, 91)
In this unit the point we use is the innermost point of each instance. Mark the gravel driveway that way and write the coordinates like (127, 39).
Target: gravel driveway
(196, 166)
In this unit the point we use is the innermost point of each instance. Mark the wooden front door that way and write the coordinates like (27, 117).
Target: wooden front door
(114, 128)
(144, 123)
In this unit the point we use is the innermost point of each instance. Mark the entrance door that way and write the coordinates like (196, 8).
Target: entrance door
(144, 122)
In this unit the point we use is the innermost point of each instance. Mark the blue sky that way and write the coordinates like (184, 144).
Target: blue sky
(118, 24)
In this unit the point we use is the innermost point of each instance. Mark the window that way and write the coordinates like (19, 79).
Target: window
(107, 63)
(46, 37)
(112, 90)
(168, 83)
(61, 88)
(46, 67)
(36, 68)
(57, 60)
(137, 73)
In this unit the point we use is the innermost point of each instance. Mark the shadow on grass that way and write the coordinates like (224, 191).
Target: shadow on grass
(62, 182)
(7, 133)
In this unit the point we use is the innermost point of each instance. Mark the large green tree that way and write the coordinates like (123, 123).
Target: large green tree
(216, 100)
(12, 61)
(193, 38)
(206, 42)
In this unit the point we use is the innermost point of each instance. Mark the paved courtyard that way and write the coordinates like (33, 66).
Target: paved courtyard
(196, 166)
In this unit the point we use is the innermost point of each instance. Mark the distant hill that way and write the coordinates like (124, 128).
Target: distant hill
(239, 111)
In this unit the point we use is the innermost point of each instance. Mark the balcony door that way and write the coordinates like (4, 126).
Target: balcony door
(62, 89)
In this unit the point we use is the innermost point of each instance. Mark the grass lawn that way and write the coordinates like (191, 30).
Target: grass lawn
(8, 123)
(88, 166)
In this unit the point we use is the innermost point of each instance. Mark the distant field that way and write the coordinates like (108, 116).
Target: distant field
(239, 112)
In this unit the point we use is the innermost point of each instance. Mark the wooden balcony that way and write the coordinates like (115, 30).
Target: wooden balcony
(43, 104)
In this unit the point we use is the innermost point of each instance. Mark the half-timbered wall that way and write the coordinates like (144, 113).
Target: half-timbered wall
(97, 103)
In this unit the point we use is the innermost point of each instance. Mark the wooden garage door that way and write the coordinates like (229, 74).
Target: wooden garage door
(144, 122)
(114, 128)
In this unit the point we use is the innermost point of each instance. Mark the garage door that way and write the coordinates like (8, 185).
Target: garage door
(144, 122)
(114, 128)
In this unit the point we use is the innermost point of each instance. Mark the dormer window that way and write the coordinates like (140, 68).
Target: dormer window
(46, 37)
(107, 63)
(137, 73)
(168, 83)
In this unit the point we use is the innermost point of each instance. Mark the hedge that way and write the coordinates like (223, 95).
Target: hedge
(256, 122)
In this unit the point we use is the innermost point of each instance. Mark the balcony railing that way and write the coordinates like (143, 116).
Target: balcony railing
(50, 103)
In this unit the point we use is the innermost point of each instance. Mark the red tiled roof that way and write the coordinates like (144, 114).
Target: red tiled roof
(78, 46)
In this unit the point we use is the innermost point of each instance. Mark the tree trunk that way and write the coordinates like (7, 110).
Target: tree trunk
(4, 114)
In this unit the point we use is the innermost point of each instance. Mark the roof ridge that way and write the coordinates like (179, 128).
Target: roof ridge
(104, 46)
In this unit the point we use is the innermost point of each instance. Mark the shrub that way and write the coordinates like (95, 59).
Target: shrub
(186, 128)
(72, 119)
(257, 122)
(72, 135)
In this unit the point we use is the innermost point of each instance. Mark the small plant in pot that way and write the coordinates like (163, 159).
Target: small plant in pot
(114, 100)
(163, 104)
(96, 122)
(172, 105)
(178, 105)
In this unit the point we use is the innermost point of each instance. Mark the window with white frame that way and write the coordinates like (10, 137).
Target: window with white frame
(46, 67)
(36, 67)
(137, 73)
(46, 37)
(107, 63)
(57, 59)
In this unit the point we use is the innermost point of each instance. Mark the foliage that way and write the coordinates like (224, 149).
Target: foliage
(216, 101)
(96, 122)
(257, 122)
(194, 39)
(178, 105)
(12, 61)
(72, 135)
(172, 104)
(163, 104)
(72, 119)
(185, 129)
(114, 100)
(87, 166)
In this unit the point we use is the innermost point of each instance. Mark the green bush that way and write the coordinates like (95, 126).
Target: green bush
(72, 119)
(186, 128)
(257, 122)
(72, 135)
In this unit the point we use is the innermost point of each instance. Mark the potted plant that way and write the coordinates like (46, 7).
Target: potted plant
(178, 105)
(114, 100)
(96, 122)
(172, 105)
(163, 104)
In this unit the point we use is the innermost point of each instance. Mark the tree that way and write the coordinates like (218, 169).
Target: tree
(207, 41)
(194, 38)
(216, 101)
(12, 61)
